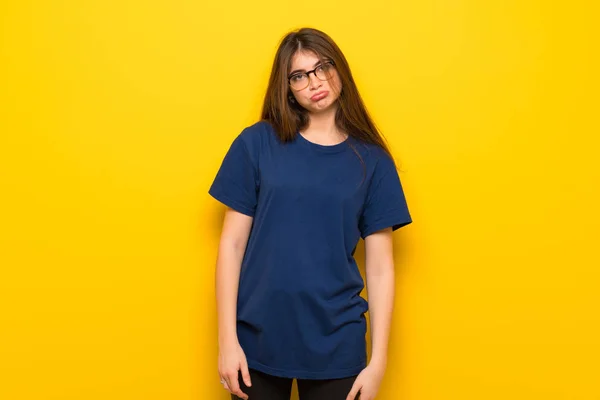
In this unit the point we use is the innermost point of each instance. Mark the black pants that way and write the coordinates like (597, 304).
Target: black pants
(268, 387)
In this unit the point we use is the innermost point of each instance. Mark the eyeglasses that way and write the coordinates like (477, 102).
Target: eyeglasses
(323, 72)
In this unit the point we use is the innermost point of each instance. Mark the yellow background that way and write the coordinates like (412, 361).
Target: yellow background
(115, 116)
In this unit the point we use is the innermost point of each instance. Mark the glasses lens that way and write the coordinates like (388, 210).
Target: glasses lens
(299, 81)
(324, 71)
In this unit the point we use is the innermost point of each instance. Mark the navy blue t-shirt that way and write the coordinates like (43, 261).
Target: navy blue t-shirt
(299, 310)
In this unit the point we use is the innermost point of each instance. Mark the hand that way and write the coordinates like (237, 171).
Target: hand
(367, 383)
(232, 360)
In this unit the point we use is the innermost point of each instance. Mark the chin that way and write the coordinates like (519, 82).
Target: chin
(320, 107)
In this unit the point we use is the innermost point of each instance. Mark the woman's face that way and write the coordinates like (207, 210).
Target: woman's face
(314, 94)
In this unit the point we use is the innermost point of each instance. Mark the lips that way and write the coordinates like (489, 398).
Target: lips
(319, 96)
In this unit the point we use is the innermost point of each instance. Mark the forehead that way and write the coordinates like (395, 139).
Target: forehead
(304, 59)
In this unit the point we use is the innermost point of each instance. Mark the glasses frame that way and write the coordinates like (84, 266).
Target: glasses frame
(307, 73)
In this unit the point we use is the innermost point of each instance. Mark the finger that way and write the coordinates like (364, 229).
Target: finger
(234, 387)
(353, 392)
(223, 382)
(246, 374)
(225, 385)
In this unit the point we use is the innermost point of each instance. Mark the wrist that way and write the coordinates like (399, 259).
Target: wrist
(228, 339)
(379, 362)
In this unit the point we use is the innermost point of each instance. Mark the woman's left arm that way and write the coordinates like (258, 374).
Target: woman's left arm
(380, 291)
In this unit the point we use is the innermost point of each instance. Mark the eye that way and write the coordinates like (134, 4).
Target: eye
(297, 78)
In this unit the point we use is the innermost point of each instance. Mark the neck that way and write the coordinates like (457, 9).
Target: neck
(322, 125)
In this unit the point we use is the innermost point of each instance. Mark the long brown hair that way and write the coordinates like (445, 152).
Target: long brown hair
(287, 117)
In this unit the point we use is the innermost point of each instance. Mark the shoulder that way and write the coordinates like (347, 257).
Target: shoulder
(374, 155)
(257, 132)
(257, 138)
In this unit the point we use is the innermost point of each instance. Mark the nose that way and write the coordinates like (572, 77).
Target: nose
(314, 82)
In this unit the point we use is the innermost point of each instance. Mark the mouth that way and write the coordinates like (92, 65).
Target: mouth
(319, 96)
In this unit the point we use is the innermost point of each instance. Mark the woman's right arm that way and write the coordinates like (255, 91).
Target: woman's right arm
(232, 246)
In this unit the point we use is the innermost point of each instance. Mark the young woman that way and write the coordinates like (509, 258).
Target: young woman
(301, 187)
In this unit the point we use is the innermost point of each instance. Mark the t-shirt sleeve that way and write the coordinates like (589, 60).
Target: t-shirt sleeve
(385, 204)
(236, 183)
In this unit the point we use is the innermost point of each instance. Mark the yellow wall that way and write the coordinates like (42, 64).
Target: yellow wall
(115, 116)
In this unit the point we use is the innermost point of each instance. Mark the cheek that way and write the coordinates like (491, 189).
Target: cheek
(299, 97)
(293, 95)
(302, 96)
(335, 84)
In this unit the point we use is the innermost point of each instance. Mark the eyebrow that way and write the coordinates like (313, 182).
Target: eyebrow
(303, 70)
